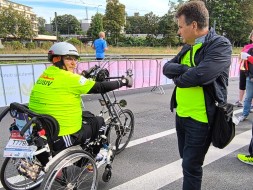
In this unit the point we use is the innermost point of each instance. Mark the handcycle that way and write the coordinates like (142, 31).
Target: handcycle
(73, 168)
(119, 121)
(31, 160)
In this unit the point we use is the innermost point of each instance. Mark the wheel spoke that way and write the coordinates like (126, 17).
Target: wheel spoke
(75, 173)
(122, 134)
(12, 179)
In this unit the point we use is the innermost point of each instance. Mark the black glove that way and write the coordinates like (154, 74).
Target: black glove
(101, 75)
(87, 73)
(128, 81)
(84, 73)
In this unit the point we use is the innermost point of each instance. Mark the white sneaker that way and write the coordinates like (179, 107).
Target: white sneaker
(99, 157)
(242, 118)
(102, 157)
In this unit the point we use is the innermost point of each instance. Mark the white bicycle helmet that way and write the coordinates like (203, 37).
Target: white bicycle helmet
(62, 48)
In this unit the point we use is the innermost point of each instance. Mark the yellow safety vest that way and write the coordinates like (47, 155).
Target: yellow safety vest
(191, 101)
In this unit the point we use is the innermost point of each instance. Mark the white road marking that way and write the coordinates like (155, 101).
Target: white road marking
(159, 135)
(151, 137)
(173, 171)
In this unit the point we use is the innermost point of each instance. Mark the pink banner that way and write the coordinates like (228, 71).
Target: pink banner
(234, 67)
(17, 81)
(146, 73)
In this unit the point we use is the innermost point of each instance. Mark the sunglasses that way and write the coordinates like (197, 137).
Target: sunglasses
(70, 58)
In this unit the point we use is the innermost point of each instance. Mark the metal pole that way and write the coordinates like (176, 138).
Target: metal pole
(97, 7)
(214, 24)
(56, 28)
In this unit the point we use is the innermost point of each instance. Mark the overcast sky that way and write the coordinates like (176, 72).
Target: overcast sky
(47, 8)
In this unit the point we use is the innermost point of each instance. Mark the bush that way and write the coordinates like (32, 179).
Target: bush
(131, 41)
(30, 45)
(46, 45)
(7, 44)
(16, 45)
(74, 42)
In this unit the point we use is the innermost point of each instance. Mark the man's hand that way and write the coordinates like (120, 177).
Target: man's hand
(128, 81)
(175, 80)
(244, 55)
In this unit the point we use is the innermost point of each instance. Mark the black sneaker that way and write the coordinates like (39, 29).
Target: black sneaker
(238, 104)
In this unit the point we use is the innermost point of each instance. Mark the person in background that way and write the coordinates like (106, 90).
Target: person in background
(200, 67)
(247, 105)
(57, 92)
(248, 159)
(242, 84)
(242, 76)
(100, 46)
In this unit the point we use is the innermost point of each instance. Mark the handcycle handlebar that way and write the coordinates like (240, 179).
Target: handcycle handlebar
(3, 114)
(108, 78)
(100, 74)
(34, 120)
(27, 125)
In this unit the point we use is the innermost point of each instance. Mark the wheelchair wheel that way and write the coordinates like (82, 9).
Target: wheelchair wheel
(11, 179)
(122, 134)
(74, 170)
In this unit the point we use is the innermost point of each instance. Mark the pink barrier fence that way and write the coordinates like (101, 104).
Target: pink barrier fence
(17, 80)
(234, 68)
(146, 73)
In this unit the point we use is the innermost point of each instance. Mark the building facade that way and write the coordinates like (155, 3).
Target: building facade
(85, 24)
(22, 8)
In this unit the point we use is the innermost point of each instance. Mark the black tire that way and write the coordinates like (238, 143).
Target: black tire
(71, 170)
(121, 141)
(107, 175)
(12, 180)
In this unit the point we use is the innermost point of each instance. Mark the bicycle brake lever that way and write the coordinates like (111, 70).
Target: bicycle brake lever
(129, 72)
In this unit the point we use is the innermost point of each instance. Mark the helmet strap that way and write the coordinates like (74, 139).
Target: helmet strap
(58, 62)
(56, 59)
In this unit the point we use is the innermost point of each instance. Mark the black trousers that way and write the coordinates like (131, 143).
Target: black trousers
(89, 131)
(91, 126)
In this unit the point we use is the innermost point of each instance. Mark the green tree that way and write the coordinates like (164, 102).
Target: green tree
(15, 23)
(134, 25)
(96, 26)
(232, 18)
(67, 24)
(151, 24)
(41, 25)
(114, 19)
(168, 28)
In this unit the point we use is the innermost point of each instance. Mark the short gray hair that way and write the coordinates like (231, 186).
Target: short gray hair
(194, 11)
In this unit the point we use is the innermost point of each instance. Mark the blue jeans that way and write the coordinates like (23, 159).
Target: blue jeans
(194, 139)
(248, 97)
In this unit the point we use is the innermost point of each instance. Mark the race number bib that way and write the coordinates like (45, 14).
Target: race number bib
(17, 147)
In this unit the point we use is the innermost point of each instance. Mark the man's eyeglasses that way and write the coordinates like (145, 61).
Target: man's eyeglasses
(70, 58)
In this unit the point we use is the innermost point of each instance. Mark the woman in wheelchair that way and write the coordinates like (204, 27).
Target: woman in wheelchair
(55, 105)
(57, 93)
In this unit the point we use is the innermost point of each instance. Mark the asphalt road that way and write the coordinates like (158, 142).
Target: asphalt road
(152, 161)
